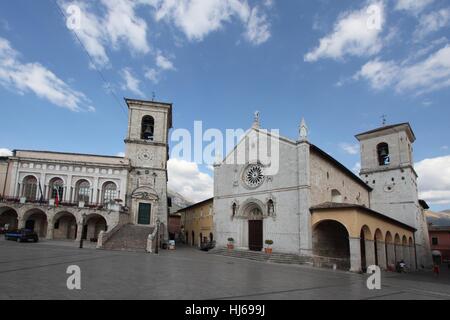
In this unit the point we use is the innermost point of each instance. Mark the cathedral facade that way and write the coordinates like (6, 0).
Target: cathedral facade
(315, 207)
(78, 196)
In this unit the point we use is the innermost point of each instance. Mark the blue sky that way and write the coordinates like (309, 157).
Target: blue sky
(219, 61)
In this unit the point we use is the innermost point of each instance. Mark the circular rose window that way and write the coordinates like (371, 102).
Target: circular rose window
(253, 176)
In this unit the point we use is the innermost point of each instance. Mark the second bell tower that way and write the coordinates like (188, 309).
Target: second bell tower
(147, 149)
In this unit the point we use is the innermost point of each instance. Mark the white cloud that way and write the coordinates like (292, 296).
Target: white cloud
(353, 35)
(131, 83)
(430, 74)
(413, 6)
(152, 75)
(120, 154)
(33, 77)
(434, 180)
(258, 29)
(198, 18)
(432, 22)
(380, 74)
(5, 152)
(444, 148)
(352, 149)
(164, 63)
(186, 179)
(119, 26)
(122, 24)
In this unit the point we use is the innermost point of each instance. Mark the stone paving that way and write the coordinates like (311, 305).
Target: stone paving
(38, 271)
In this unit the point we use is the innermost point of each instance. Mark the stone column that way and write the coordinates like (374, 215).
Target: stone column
(398, 252)
(50, 227)
(381, 255)
(21, 224)
(390, 254)
(412, 258)
(405, 251)
(355, 254)
(79, 231)
(370, 252)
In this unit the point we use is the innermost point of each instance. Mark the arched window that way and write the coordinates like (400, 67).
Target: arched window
(109, 192)
(384, 158)
(148, 128)
(83, 191)
(211, 237)
(30, 188)
(336, 196)
(56, 188)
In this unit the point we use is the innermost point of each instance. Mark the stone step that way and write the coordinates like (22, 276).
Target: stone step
(129, 238)
(276, 257)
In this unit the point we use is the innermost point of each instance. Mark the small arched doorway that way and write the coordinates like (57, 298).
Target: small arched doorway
(193, 238)
(8, 218)
(331, 241)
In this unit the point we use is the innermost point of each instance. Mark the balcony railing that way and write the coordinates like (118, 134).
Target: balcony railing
(51, 203)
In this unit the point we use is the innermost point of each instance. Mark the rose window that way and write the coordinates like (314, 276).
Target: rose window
(253, 176)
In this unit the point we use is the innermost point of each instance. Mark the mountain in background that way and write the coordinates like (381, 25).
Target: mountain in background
(438, 218)
(178, 201)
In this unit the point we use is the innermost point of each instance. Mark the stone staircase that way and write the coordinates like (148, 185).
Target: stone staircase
(276, 257)
(129, 238)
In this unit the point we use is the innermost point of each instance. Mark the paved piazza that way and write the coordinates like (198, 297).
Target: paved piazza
(38, 271)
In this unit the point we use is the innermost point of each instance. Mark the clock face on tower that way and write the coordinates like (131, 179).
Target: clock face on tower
(144, 155)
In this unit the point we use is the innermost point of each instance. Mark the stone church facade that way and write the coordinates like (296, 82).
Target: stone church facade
(77, 196)
(315, 207)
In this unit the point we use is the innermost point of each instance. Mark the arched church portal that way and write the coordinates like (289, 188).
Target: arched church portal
(255, 227)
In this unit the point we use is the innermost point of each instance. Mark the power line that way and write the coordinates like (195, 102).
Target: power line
(99, 72)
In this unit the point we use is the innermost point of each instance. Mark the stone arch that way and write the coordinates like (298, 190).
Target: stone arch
(405, 251)
(36, 219)
(94, 223)
(104, 190)
(51, 193)
(30, 186)
(331, 242)
(380, 249)
(367, 248)
(390, 251)
(9, 218)
(398, 248)
(246, 210)
(65, 226)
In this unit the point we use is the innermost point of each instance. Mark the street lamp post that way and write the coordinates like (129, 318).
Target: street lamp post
(83, 222)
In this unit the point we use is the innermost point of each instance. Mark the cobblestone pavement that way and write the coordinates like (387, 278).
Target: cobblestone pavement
(38, 271)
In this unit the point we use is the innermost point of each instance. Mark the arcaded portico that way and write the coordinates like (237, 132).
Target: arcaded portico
(355, 237)
(62, 223)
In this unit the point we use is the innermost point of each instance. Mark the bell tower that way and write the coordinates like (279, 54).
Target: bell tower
(147, 149)
(387, 166)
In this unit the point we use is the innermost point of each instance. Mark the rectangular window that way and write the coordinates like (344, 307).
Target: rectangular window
(434, 241)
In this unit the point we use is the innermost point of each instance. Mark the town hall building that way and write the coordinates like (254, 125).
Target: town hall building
(316, 208)
(115, 201)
